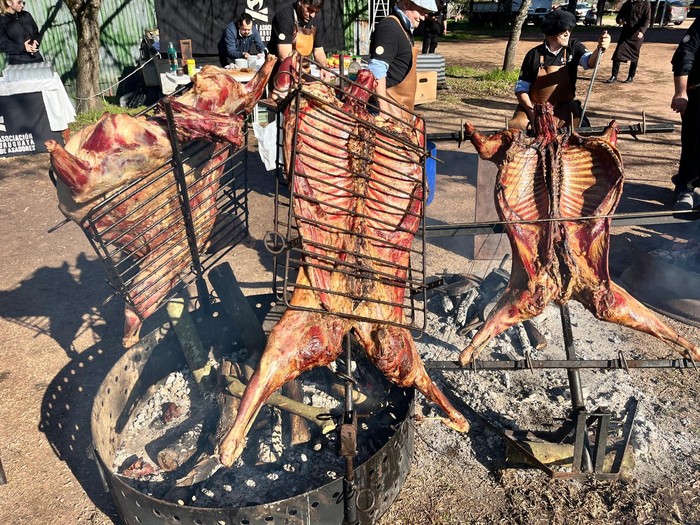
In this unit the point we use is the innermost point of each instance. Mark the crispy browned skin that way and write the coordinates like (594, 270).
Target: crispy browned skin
(554, 176)
(358, 200)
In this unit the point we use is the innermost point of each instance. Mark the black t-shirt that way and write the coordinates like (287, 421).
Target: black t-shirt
(284, 24)
(573, 52)
(392, 43)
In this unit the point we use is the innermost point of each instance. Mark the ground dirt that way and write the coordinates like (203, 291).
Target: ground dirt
(61, 335)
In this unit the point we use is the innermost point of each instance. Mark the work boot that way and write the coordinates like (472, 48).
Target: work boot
(610, 80)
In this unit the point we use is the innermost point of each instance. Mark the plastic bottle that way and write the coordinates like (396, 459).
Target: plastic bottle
(191, 67)
(353, 69)
(172, 57)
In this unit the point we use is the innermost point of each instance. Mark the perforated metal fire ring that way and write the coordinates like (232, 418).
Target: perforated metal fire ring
(157, 355)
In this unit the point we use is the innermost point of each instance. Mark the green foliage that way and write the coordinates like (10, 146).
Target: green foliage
(90, 117)
(471, 81)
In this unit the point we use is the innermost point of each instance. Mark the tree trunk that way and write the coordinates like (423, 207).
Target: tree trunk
(514, 38)
(85, 14)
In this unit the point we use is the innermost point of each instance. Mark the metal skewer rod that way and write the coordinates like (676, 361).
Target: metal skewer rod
(590, 86)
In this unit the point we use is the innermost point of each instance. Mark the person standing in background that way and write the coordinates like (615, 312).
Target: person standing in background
(286, 25)
(686, 101)
(19, 34)
(634, 17)
(242, 39)
(393, 56)
(433, 28)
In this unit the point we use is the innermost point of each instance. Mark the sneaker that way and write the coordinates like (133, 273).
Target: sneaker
(684, 202)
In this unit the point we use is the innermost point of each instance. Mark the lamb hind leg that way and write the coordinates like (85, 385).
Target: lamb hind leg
(625, 310)
(515, 306)
(298, 342)
(392, 350)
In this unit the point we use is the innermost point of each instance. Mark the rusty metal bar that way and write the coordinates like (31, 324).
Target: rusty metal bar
(548, 364)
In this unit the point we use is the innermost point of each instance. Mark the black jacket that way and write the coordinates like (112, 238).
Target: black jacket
(15, 30)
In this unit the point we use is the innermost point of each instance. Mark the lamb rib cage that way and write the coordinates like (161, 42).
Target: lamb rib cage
(316, 254)
(219, 195)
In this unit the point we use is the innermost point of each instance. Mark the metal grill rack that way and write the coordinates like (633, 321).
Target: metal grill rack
(159, 233)
(353, 157)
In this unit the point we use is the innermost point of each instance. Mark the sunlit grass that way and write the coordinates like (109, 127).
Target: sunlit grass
(472, 81)
(86, 118)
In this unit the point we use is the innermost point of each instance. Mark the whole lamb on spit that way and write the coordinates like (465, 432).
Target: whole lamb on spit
(357, 198)
(557, 193)
(103, 159)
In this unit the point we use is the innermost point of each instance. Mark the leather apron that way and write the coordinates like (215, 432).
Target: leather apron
(552, 85)
(404, 93)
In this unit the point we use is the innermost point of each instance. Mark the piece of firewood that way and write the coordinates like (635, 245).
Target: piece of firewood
(299, 429)
(195, 354)
(309, 413)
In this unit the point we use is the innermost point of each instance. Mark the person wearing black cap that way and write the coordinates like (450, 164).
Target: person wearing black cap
(549, 71)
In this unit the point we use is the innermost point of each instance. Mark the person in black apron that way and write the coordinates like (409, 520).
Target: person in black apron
(393, 56)
(686, 101)
(549, 71)
(634, 17)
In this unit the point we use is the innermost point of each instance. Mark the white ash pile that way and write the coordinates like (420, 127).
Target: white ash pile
(174, 424)
(541, 399)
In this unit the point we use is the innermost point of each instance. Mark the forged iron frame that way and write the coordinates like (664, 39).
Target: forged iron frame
(283, 244)
(234, 230)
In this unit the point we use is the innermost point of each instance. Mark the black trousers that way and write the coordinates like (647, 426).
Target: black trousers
(688, 176)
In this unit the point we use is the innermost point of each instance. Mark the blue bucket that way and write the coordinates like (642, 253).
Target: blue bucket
(431, 170)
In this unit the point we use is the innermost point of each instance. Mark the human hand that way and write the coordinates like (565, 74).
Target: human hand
(679, 103)
(640, 35)
(31, 46)
(604, 40)
(246, 55)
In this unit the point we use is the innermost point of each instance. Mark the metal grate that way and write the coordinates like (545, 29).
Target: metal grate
(350, 209)
(157, 235)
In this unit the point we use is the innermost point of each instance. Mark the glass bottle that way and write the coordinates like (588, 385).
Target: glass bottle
(172, 57)
(353, 69)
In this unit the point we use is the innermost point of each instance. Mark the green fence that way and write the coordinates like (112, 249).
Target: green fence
(122, 25)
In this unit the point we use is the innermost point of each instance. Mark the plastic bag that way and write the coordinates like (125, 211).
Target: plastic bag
(267, 144)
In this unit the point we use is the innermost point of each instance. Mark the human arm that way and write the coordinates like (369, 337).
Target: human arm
(644, 19)
(257, 42)
(685, 65)
(680, 94)
(603, 44)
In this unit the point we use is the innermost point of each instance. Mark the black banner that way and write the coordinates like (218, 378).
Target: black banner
(204, 21)
(24, 126)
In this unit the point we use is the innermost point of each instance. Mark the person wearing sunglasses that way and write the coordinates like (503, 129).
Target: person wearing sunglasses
(19, 34)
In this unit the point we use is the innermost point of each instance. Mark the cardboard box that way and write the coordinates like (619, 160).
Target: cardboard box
(426, 87)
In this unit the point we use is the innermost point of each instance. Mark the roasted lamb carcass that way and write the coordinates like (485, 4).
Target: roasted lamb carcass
(551, 178)
(357, 199)
(145, 221)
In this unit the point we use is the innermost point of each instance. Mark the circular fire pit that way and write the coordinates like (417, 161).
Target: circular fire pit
(377, 480)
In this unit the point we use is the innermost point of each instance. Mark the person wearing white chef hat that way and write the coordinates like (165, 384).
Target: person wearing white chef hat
(393, 55)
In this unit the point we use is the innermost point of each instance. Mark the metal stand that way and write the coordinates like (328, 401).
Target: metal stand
(348, 443)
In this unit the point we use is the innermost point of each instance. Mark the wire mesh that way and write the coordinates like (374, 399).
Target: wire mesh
(140, 232)
(349, 203)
